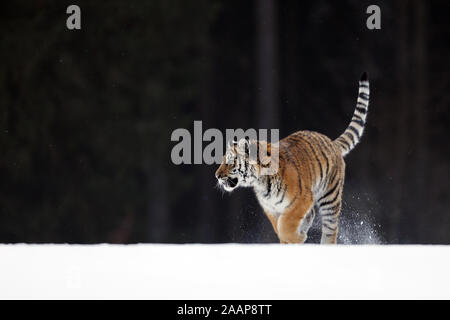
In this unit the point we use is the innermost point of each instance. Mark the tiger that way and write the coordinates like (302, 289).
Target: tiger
(309, 178)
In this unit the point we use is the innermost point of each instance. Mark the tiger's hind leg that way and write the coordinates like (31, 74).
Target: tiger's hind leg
(330, 210)
(330, 223)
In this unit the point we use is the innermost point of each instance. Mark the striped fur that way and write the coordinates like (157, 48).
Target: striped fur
(310, 178)
(351, 137)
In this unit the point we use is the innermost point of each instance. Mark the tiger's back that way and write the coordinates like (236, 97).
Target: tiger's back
(318, 157)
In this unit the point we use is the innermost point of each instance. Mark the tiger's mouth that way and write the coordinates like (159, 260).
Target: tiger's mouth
(229, 184)
(233, 182)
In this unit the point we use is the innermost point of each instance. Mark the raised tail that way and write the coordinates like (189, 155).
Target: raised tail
(352, 135)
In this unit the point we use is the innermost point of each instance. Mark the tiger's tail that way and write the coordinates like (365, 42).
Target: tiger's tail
(352, 135)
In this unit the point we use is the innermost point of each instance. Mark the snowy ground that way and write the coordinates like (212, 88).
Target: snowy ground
(224, 272)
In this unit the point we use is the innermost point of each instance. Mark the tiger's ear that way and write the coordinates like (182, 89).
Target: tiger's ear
(243, 145)
(264, 152)
(232, 143)
(268, 161)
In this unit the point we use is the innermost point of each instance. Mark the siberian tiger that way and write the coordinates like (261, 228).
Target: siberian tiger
(309, 179)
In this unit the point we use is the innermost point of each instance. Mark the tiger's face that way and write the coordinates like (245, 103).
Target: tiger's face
(236, 169)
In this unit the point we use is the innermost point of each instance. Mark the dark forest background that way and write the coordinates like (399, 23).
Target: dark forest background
(86, 116)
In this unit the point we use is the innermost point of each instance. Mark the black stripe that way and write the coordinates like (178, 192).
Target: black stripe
(279, 184)
(327, 203)
(328, 227)
(358, 117)
(364, 84)
(269, 188)
(363, 104)
(358, 120)
(329, 235)
(267, 165)
(292, 201)
(333, 209)
(335, 175)
(284, 193)
(239, 167)
(294, 163)
(299, 139)
(351, 137)
(305, 150)
(354, 130)
(343, 141)
(315, 156)
(329, 192)
(361, 109)
(364, 96)
(281, 161)
(322, 147)
(336, 195)
(320, 164)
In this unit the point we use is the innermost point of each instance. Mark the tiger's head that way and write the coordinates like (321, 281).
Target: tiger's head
(238, 168)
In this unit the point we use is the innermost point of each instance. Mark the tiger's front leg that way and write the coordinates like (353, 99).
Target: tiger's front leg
(289, 222)
(273, 220)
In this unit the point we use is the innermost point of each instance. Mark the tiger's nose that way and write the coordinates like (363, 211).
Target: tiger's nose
(219, 175)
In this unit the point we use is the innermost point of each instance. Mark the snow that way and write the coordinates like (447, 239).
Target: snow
(226, 271)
